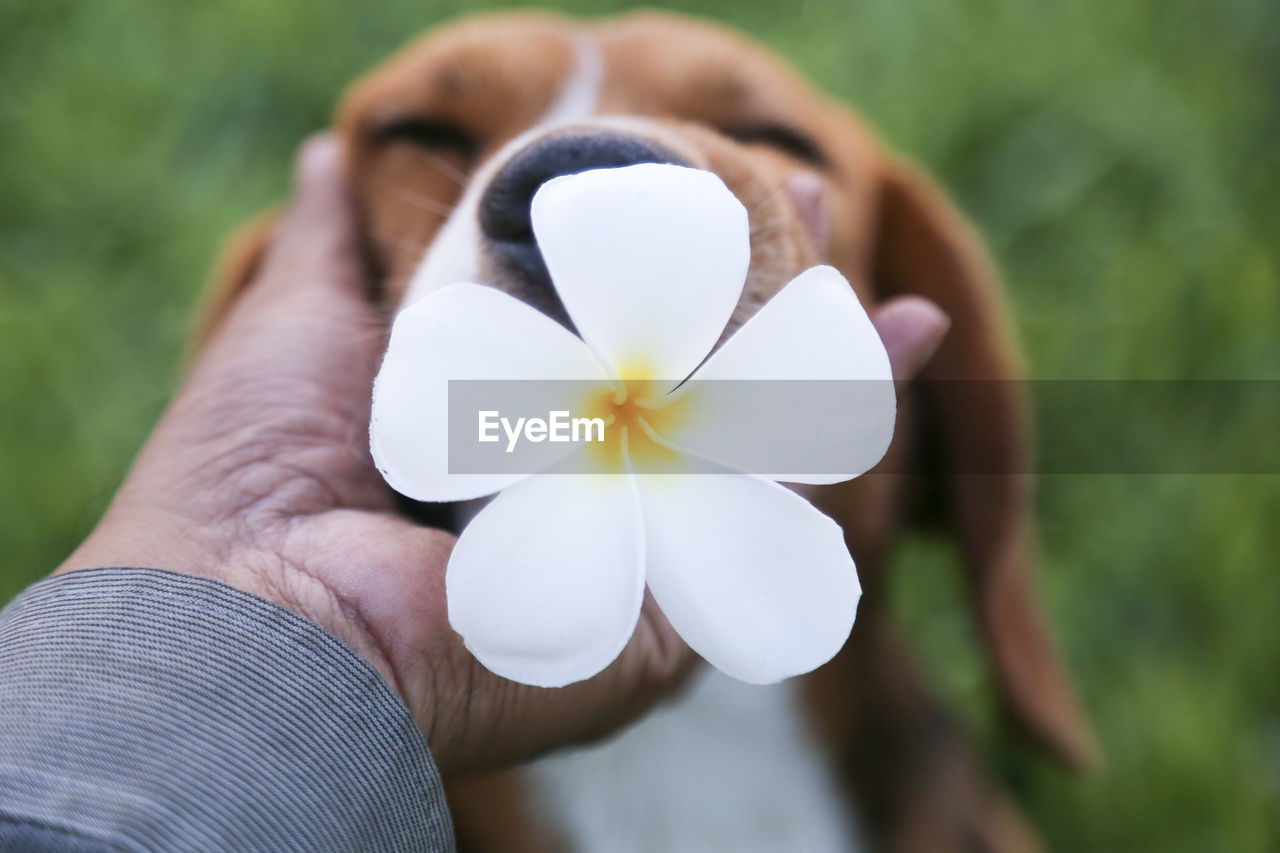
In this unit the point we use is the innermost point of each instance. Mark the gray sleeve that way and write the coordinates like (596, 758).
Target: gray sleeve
(143, 710)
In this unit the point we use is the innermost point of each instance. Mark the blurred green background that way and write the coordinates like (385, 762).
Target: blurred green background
(1121, 158)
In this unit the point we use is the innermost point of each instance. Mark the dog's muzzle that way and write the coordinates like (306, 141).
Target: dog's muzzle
(504, 207)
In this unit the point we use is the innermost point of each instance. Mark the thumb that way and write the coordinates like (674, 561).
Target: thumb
(316, 243)
(307, 314)
(911, 328)
(312, 288)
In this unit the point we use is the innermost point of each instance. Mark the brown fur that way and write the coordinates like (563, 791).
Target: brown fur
(693, 85)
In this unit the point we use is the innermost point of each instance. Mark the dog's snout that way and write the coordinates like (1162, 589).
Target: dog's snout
(504, 207)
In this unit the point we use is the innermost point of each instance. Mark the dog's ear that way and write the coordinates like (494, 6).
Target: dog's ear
(241, 257)
(976, 416)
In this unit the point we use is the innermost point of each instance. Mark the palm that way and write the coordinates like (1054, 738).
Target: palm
(384, 577)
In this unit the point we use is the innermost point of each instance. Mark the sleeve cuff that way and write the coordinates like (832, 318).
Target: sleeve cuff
(156, 711)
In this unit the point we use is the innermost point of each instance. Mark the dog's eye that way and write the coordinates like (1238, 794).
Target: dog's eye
(429, 133)
(786, 139)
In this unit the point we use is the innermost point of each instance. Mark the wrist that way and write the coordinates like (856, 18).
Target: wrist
(149, 537)
(143, 538)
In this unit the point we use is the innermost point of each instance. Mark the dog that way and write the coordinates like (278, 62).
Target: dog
(445, 145)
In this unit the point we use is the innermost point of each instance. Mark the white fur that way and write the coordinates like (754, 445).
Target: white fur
(581, 91)
(727, 766)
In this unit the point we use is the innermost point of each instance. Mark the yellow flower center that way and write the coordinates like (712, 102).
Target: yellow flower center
(636, 413)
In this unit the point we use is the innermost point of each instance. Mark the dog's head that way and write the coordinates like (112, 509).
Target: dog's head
(447, 143)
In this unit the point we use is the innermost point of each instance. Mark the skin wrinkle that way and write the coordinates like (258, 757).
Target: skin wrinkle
(493, 708)
(244, 377)
(289, 419)
(349, 609)
(419, 672)
(307, 421)
(259, 477)
(459, 724)
(296, 489)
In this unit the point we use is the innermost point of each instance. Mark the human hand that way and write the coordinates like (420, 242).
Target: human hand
(258, 475)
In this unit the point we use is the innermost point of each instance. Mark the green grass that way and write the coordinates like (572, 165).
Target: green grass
(1120, 157)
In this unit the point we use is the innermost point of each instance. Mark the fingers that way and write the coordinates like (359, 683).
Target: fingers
(309, 301)
(305, 323)
(911, 328)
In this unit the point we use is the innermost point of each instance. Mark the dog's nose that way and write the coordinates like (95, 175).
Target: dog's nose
(504, 207)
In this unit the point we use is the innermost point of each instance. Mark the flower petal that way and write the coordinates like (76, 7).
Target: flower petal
(545, 584)
(649, 261)
(464, 331)
(803, 392)
(753, 578)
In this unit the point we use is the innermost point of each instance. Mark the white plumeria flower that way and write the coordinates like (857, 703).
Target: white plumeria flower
(545, 584)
